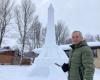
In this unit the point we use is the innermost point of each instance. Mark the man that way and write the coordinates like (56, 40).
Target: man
(81, 64)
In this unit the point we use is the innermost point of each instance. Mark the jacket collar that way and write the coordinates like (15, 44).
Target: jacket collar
(82, 43)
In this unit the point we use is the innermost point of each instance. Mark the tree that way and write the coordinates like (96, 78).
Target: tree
(43, 35)
(98, 37)
(24, 16)
(34, 34)
(62, 33)
(89, 37)
(5, 16)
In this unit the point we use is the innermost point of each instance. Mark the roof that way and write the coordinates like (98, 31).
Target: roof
(93, 44)
(37, 50)
(3, 50)
(30, 54)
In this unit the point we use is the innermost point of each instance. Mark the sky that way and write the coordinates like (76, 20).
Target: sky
(83, 15)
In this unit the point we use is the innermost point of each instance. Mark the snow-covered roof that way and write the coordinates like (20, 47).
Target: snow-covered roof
(37, 50)
(2, 50)
(67, 47)
(91, 44)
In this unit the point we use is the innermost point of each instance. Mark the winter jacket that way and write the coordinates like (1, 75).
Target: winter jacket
(81, 62)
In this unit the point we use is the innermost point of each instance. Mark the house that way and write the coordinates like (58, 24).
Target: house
(14, 57)
(96, 52)
(8, 56)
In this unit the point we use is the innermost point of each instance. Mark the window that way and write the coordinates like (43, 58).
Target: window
(95, 53)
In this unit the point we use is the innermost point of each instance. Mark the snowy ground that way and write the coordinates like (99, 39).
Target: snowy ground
(25, 73)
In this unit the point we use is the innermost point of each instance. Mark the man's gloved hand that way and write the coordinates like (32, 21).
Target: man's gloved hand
(65, 67)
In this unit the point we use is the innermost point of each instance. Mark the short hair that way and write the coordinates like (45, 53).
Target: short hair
(80, 33)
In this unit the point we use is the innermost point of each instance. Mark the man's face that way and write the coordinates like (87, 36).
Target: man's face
(76, 38)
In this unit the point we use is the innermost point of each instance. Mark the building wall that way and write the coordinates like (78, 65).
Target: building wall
(97, 60)
(9, 57)
(16, 60)
(26, 61)
(6, 59)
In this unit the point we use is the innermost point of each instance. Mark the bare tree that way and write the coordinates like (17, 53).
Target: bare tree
(97, 37)
(62, 33)
(34, 34)
(43, 35)
(24, 17)
(89, 37)
(5, 16)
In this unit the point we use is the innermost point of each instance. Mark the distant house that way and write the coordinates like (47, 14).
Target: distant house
(96, 53)
(14, 57)
(8, 56)
(95, 46)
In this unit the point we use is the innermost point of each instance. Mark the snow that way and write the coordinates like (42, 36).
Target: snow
(2, 50)
(96, 43)
(26, 73)
(10, 42)
(44, 64)
(8, 72)
(65, 47)
(97, 74)
(50, 54)
(37, 50)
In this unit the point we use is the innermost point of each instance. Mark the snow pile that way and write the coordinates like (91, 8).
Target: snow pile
(25, 73)
(44, 63)
(50, 53)
(97, 74)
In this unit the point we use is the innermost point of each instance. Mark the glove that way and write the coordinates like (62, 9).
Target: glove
(65, 67)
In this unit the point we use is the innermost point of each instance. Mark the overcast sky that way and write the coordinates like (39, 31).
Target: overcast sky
(83, 15)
